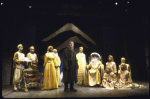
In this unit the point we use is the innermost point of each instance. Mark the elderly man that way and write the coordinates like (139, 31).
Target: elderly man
(69, 67)
(96, 71)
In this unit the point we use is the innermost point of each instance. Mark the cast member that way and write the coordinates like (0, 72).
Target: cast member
(33, 56)
(124, 76)
(69, 67)
(50, 80)
(81, 58)
(94, 73)
(18, 65)
(57, 67)
(112, 64)
(109, 78)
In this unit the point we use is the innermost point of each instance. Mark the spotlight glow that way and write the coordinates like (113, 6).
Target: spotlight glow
(128, 2)
(1, 3)
(116, 3)
(30, 6)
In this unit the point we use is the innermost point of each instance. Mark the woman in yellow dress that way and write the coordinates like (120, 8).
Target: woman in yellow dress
(49, 81)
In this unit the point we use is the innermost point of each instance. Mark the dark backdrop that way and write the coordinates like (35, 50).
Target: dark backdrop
(121, 34)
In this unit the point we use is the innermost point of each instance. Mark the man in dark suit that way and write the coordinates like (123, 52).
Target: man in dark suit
(69, 67)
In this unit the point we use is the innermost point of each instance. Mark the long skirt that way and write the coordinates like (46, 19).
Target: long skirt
(50, 81)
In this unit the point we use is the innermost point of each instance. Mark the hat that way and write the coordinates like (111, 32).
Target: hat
(49, 48)
(80, 47)
(19, 45)
(123, 58)
(32, 47)
(94, 53)
(54, 50)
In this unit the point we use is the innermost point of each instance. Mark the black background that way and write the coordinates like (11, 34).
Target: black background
(116, 31)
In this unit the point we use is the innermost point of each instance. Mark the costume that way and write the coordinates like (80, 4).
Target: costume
(33, 57)
(81, 58)
(94, 75)
(18, 67)
(112, 64)
(124, 77)
(69, 67)
(49, 81)
(109, 79)
(58, 62)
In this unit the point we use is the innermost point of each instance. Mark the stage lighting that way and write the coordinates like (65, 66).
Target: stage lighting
(125, 10)
(128, 2)
(1, 3)
(30, 6)
(116, 3)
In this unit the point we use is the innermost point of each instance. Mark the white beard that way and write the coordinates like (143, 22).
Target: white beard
(94, 61)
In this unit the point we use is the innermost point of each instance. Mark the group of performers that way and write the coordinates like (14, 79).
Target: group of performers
(92, 74)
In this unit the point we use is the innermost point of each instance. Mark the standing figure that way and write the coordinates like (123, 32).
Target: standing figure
(109, 78)
(94, 74)
(81, 58)
(112, 64)
(50, 80)
(33, 56)
(124, 76)
(57, 67)
(18, 65)
(69, 67)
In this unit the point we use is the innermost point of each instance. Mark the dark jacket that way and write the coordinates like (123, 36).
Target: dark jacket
(70, 62)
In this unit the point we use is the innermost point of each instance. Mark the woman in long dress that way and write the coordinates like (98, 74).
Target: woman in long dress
(49, 81)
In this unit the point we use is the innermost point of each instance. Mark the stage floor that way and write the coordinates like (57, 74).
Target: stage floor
(83, 91)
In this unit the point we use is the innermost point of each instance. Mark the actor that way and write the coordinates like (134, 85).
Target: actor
(124, 76)
(33, 56)
(109, 78)
(49, 81)
(112, 64)
(57, 67)
(81, 58)
(69, 67)
(94, 75)
(18, 65)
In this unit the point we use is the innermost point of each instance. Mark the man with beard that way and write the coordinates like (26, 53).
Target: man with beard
(96, 71)
(69, 67)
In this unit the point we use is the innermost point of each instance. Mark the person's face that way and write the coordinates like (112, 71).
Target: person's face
(32, 50)
(71, 44)
(80, 50)
(21, 48)
(122, 61)
(107, 70)
(55, 52)
(110, 58)
(51, 48)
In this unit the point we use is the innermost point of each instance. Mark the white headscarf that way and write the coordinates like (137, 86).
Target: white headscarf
(56, 55)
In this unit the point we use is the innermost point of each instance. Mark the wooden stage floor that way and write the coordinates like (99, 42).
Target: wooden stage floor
(83, 92)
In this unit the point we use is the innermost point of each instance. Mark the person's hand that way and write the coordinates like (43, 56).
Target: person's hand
(87, 67)
(56, 66)
(33, 61)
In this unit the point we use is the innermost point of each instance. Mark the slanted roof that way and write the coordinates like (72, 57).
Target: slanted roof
(68, 27)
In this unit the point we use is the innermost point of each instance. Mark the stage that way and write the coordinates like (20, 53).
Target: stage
(83, 92)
